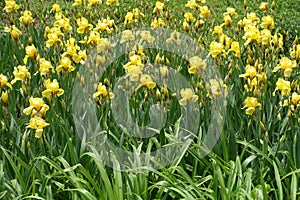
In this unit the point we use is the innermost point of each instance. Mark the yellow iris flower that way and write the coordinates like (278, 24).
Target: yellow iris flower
(286, 65)
(36, 105)
(65, 64)
(251, 103)
(37, 123)
(4, 82)
(283, 86)
(216, 49)
(52, 89)
(26, 18)
(10, 6)
(20, 73)
(187, 95)
(197, 65)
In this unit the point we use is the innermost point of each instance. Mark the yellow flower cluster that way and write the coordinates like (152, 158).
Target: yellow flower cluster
(242, 46)
(37, 109)
(133, 16)
(224, 44)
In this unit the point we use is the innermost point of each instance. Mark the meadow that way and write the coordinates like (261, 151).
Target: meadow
(174, 99)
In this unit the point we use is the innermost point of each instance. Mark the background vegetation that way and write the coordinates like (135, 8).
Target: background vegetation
(257, 156)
